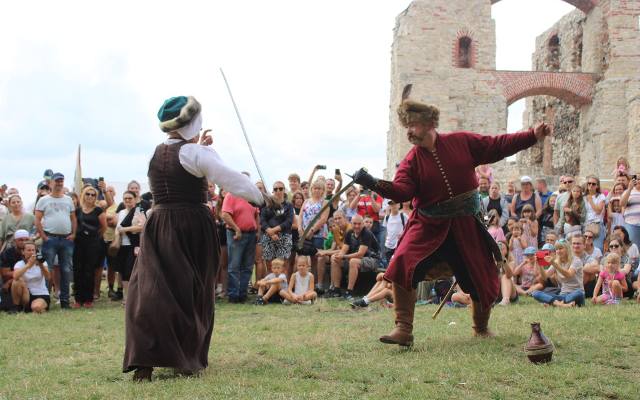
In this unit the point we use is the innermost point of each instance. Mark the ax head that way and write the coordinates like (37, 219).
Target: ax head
(406, 92)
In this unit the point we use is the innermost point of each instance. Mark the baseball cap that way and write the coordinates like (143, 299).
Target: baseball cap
(525, 179)
(21, 234)
(47, 174)
(43, 185)
(57, 175)
(549, 246)
(529, 251)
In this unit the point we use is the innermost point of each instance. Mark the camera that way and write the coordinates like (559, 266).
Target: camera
(40, 257)
(634, 177)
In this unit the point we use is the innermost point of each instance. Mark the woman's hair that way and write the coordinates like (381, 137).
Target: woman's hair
(294, 177)
(494, 218)
(218, 210)
(84, 192)
(277, 262)
(297, 193)
(129, 192)
(626, 240)
(576, 205)
(30, 243)
(133, 182)
(529, 207)
(564, 243)
(613, 189)
(595, 178)
(319, 183)
(547, 204)
(13, 196)
(74, 196)
(306, 259)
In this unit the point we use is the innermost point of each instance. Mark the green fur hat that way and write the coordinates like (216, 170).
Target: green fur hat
(412, 111)
(178, 112)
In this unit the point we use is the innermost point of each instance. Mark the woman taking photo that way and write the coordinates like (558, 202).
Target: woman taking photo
(567, 271)
(130, 222)
(16, 219)
(630, 202)
(309, 210)
(89, 246)
(595, 203)
(33, 272)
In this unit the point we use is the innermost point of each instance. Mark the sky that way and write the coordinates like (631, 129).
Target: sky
(311, 80)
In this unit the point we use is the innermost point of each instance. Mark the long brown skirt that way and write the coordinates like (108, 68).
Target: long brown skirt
(170, 304)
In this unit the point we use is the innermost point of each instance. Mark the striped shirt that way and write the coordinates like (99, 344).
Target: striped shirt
(632, 210)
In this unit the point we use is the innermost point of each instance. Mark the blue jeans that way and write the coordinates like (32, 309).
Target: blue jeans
(634, 233)
(577, 296)
(599, 241)
(242, 257)
(63, 248)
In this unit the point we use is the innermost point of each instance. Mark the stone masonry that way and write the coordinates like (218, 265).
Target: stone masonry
(586, 81)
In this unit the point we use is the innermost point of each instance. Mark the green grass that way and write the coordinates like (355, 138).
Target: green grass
(328, 351)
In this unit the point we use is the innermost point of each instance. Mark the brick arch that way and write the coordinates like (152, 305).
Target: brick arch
(573, 88)
(584, 5)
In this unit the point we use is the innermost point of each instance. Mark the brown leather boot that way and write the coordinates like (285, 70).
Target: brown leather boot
(404, 302)
(481, 320)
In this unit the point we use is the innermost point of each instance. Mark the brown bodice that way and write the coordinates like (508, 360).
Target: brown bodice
(170, 182)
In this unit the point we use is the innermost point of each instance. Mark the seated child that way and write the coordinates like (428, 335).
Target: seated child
(612, 281)
(273, 285)
(301, 285)
(528, 273)
(380, 291)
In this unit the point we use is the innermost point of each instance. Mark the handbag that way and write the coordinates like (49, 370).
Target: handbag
(114, 246)
(593, 227)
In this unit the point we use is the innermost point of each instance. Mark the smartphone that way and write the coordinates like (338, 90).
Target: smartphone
(540, 255)
(101, 179)
(321, 167)
(337, 171)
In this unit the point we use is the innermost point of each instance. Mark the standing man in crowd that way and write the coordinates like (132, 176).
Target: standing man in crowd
(56, 223)
(444, 234)
(543, 190)
(567, 182)
(483, 187)
(242, 221)
(294, 185)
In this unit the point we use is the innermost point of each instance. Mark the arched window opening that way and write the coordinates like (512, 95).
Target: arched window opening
(464, 52)
(553, 57)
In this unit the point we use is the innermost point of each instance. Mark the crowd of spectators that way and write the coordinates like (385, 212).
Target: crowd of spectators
(562, 248)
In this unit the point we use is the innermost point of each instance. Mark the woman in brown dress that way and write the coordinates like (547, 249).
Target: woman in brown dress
(170, 309)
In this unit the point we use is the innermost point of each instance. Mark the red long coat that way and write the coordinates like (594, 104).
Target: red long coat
(431, 177)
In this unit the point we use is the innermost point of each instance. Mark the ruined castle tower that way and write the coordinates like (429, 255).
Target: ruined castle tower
(446, 49)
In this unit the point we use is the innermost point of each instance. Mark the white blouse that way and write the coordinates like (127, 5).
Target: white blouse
(202, 161)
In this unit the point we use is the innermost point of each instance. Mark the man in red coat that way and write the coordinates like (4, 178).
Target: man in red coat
(444, 235)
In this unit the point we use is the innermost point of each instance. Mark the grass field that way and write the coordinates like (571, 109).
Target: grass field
(328, 351)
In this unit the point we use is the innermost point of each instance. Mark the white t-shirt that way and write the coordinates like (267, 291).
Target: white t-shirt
(33, 278)
(591, 215)
(56, 214)
(394, 229)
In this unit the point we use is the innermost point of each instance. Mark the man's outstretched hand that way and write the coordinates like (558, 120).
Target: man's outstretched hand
(541, 131)
(364, 178)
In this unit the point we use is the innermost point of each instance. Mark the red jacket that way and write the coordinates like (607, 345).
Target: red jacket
(431, 177)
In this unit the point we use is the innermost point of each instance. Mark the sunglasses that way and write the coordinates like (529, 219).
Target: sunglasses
(614, 246)
(278, 189)
(90, 194)
(588, 237)
(592, 183)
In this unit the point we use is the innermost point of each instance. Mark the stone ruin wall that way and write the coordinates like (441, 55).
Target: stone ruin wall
(559, 49)
(590, 139)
